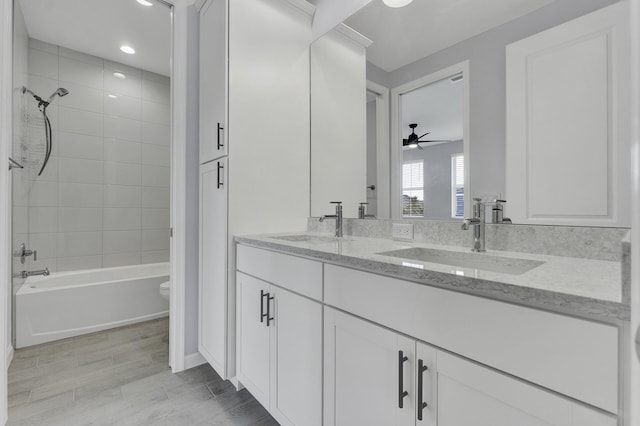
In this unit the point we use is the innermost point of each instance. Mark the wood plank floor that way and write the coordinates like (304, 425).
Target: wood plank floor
(121, 377)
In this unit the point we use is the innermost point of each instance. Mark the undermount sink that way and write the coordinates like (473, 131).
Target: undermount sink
(307, 238)
(486, 262)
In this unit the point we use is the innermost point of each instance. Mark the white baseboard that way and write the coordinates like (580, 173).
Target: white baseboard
(10, 353)
(193, 360)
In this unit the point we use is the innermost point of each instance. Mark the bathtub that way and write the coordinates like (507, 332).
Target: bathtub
(66, 304)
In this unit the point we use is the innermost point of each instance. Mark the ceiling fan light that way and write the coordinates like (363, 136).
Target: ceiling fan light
(396, 3)
(412, 145)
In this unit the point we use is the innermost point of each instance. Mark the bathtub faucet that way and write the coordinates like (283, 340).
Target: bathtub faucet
(25, 274)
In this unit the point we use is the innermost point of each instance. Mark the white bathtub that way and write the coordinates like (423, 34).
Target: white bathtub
(67, 304)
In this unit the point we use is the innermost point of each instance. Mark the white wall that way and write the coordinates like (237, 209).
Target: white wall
(103, 199)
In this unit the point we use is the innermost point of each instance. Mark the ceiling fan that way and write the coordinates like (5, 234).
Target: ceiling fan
(413, 141)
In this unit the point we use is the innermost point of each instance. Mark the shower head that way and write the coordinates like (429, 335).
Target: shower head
(60, 92)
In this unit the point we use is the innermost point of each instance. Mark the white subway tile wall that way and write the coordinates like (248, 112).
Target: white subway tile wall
(103, 199)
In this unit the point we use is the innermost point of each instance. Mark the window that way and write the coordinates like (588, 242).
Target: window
(413, 189)
(457, 186)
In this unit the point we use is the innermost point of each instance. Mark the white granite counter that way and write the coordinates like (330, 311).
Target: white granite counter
(581, 287)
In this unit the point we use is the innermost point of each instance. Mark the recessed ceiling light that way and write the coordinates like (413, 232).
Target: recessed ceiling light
(119, 75)
(128, 50)
(112, 96)
(396, 3)
(145, 2)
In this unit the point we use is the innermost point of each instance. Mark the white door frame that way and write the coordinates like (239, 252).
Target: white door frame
(396, 132)
(179, 135)
(634, 361)
(382, 149)
(6, 142)
(180, 108)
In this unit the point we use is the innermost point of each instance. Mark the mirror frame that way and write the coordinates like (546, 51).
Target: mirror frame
(396, 133)
(383, 193)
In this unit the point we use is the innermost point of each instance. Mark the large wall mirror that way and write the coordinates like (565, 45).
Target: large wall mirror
(418, 46)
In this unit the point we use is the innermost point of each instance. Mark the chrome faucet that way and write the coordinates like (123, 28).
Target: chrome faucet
(337, 217)
(22, 253)
(362, 212)
(26, 274)
(478, 226)
(497, 212)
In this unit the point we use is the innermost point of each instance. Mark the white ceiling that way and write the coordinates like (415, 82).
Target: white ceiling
(100, 27)
(436, 108)
(403, 35)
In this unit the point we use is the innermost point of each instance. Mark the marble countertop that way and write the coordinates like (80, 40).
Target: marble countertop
(581, 287)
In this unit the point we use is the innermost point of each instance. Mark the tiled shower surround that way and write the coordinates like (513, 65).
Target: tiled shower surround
(103, 199)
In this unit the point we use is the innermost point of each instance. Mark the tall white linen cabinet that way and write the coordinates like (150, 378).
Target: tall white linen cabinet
(254, 145)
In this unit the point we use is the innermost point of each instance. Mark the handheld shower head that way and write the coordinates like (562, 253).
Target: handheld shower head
(60, 92)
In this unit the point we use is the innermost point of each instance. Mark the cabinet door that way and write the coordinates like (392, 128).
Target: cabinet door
(470, 394)
(253, 335)
(296, 351)
(426, 385)
(213, 265)
(567, 142)
(213, 67)
(362, 373)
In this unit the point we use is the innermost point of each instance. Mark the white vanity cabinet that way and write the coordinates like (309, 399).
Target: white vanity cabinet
(324, 343)
(376, 376)
(280, 335)
(254, 106)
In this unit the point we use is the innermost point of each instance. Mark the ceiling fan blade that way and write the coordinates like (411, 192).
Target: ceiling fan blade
(419, 147)
(423, 135)
(405, 141)
(439, 140)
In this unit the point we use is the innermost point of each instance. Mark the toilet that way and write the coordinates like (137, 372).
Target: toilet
(164, 290)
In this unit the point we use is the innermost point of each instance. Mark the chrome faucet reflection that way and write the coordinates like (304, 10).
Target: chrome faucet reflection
(478, 223)
(337, 217)
(26, 274)
(362, 212)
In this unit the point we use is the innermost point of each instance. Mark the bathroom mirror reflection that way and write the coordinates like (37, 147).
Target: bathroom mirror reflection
(420, 39)
(428, 141)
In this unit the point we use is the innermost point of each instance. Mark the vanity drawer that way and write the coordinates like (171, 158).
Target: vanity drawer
(575, 357)
(299, 275)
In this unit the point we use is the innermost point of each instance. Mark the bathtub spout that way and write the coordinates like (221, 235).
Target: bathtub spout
(25, 274)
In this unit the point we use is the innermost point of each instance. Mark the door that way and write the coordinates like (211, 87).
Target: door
(296, 351)
(213, 71)
(213, 264)
(366, 374)
(255, 316)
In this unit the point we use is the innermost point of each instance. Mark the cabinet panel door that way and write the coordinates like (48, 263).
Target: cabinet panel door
(253, 336)
(362, 373)
(212, 340)
(567, 123)
(213, 65)
(296, 379)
